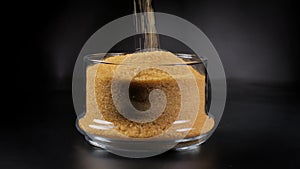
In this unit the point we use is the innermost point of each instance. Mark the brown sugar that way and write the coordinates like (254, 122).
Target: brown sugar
(102, 117)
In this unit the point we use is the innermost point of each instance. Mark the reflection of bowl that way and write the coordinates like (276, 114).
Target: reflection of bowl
(91, 158)
(122, 108)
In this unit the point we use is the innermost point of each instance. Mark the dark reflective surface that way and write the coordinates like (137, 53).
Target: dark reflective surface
(97, 158)
(259, 129)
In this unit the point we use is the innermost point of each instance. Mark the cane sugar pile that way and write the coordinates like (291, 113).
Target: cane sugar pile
(102, 117)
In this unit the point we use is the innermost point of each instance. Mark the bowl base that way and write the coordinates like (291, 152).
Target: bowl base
(137, 151)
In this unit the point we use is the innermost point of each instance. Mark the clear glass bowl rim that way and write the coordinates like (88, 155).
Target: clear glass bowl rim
(189, 59)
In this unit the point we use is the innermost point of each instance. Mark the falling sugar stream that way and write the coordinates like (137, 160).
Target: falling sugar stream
(145, 23)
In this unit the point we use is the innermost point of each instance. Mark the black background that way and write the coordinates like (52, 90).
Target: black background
(257, 42)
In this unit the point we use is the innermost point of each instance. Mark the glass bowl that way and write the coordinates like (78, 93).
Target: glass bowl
(145, 103)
